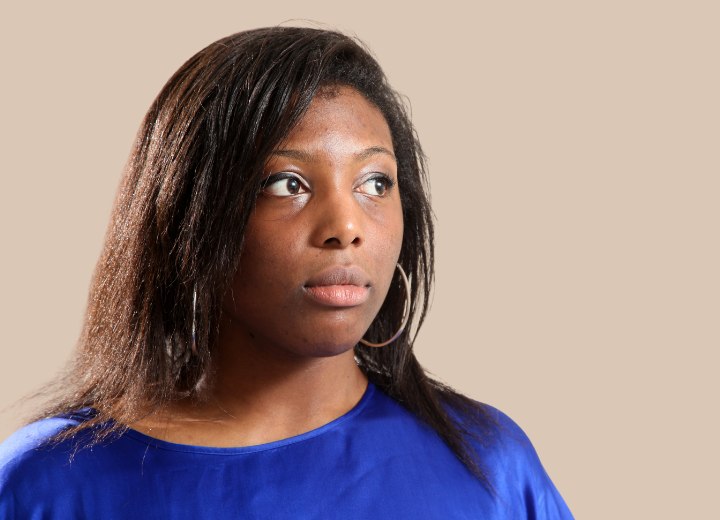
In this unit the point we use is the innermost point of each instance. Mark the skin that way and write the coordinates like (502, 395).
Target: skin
(285, 362)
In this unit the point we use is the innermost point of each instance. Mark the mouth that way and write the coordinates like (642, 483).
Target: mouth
(339, 287)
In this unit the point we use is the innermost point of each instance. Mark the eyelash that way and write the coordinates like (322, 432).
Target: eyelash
(272, 179)
(389, 183)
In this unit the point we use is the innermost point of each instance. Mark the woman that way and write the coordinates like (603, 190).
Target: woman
(247, 349)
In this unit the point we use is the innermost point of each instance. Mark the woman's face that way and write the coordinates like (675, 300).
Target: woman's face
(321, 246)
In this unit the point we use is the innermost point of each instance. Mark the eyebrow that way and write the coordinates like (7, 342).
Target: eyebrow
(373, 150)
(301, 155)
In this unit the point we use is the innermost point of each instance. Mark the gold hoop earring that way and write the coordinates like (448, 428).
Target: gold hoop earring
(406, 313)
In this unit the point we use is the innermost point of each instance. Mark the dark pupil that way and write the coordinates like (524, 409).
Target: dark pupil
(293, 186)
(380, 186)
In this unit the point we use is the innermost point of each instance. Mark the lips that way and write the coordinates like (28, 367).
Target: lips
(339, 287)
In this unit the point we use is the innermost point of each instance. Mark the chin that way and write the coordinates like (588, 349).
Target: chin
(327, 349)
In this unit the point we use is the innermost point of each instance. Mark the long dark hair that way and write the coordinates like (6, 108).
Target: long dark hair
(179, 218)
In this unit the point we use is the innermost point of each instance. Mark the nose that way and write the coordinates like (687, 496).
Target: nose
(338, 221)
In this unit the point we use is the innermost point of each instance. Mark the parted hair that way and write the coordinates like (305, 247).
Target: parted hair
(177, 226)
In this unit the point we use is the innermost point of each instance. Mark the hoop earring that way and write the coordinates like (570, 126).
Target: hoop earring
(193, 345)
(406, 313)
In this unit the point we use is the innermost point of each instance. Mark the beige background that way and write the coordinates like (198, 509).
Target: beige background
(575, 176)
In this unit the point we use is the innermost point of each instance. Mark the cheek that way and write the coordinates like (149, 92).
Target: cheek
(270, 240)
(267, 260)
(392, 227)
(387, 251)
(398, 231)
(388, 238)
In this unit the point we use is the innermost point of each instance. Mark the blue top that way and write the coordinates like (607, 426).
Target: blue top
(376, 461)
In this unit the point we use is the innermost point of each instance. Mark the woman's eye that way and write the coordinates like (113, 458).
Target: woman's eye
(378, 185)
(284, 185)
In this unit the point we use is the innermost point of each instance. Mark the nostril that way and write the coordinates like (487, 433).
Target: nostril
(340, 241)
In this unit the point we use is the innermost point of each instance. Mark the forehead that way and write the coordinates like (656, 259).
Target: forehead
(340, 114)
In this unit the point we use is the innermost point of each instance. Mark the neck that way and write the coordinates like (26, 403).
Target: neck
(262, 387)
(250, 374)
(261, 393)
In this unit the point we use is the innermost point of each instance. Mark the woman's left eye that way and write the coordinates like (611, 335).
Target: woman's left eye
(377, 185)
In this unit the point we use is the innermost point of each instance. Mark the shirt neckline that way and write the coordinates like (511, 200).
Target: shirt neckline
(237, 450)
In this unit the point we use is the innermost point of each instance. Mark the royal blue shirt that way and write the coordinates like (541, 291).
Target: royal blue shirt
(376, 461)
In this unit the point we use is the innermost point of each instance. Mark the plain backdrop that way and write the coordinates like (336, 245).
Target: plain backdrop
(573, 150)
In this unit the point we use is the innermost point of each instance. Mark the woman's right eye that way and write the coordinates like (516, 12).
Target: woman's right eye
(284, 185)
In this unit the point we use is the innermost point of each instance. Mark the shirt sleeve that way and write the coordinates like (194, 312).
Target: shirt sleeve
(521, 484)
(24, 470)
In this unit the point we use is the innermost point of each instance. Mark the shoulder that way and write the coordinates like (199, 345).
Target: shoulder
(518, 483)
(28, 440)
(508, 446)
(515, 469)
(32, 462)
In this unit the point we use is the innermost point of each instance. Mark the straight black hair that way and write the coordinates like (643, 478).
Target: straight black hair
(178, 223)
